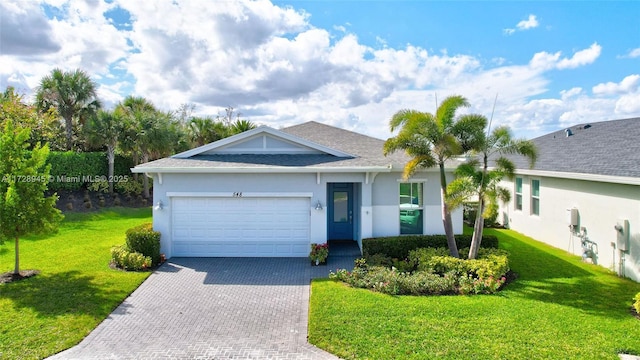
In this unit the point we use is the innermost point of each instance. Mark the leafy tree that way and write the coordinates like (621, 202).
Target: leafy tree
(105, 129)
(24, 208)
(476, 179)
(72, 94)
(45, 127)
(432, 139)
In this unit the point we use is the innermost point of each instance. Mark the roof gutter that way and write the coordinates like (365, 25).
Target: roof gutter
(626, 180)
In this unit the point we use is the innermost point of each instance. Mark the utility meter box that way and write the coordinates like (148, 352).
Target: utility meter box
(622, 234)
(574, 217)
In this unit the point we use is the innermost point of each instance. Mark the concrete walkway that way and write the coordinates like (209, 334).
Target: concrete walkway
(213, 308)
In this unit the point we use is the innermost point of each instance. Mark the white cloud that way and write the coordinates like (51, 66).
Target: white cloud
(277, 69)
(530, 23)
(630, 84)
(635, 53)
(546, 61)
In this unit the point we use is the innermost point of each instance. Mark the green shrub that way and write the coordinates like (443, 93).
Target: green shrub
(636, 304)
(398, 247)
(123, 258)
(143, 239)
(490, 263)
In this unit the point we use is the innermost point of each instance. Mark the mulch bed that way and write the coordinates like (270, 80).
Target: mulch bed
(11, 277)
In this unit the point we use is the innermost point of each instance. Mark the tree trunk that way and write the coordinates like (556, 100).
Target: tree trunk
(16, 269)
(68, 127)
(478, 228)
(111, 159)
(446, 214)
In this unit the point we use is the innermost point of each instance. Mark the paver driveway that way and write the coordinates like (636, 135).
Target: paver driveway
(211, 308)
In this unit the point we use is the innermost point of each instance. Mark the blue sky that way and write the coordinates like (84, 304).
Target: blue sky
(345, 63)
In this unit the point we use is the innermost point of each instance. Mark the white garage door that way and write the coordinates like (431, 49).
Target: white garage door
(240, 227)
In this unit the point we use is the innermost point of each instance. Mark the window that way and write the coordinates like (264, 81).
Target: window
(411, 208)
(518, 202)
(535, 197)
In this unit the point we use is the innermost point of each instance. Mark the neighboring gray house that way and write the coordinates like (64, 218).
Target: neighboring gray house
(271, 193)
(583, 195)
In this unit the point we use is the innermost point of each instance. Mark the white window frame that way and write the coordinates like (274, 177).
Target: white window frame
(420, 201)
(535, 197)
(517, 194)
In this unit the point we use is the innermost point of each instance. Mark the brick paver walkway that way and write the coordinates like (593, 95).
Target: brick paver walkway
(213, 308)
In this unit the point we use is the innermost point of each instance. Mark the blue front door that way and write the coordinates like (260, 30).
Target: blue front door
(340, 211)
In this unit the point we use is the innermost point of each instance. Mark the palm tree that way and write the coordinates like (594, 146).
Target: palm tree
(72, 94)
(476, 179)
(430, 140)
(105, 129)
(205, 130)
(240, 126)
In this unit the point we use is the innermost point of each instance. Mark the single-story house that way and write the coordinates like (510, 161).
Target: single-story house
(271, 193)
(583, 195)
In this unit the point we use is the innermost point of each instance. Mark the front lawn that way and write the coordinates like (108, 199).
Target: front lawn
(559, 307)
(75, 289)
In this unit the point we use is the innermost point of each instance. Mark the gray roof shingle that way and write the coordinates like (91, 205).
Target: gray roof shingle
(366, 151)
(601, 148)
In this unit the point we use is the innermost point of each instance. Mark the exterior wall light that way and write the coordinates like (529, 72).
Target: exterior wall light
(318, 206)
(159, 205)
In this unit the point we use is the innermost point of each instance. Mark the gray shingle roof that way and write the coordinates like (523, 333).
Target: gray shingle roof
(366, 151)
(601, 148)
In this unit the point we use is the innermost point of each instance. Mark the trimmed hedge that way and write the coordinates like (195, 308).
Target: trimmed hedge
(71, 170)
(398, 247)
(144, 240)
(125, 259)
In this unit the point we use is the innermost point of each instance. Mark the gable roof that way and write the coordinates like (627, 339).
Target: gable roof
(606, 151)
(314, 147)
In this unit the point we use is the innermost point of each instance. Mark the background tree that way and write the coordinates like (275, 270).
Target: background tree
(45, 127)
(430, 140)
(240, 126)
(204, 130)
(72, 94)
(476, 179)
(24, 208)
(104, 130)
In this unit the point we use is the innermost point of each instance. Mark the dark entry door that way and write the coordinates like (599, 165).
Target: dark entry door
(340, 214)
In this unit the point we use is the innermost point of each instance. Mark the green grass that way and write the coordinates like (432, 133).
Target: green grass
(75, 290)
(558, 308)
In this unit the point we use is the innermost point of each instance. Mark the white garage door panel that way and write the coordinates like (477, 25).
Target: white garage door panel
(240, 227)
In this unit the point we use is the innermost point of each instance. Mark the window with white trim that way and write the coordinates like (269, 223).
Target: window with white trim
(411, 208)
(535, 197)
(518, 192)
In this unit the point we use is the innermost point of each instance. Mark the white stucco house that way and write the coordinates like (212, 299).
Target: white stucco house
(583, 195)
(271, 193)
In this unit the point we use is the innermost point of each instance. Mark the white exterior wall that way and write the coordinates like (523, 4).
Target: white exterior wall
(386, 195)
(600, 206)
(377, 198)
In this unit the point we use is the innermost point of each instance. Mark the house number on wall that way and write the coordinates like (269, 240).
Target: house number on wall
(237, 194)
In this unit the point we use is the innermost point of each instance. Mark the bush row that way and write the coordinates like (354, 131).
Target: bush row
(85, 166)
(140, 251)
(432, 273)
(398, 247)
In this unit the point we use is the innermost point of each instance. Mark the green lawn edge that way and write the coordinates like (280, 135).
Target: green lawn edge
(75, 290)
(559, 307)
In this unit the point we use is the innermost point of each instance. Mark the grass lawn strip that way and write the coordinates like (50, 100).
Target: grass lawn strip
(75, 289)
(559, 307)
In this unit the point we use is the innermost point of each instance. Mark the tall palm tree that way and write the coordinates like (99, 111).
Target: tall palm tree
(105, 129)
(205, 130)
(430, 140)
(476, 179)
(72, 94)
